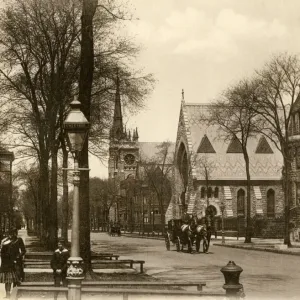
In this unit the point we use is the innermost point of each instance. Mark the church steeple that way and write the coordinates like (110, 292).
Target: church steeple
(182, 96)
(117, 127)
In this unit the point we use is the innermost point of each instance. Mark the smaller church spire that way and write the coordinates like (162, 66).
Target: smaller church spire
(125, 133)
(182, 95)
(137, 134)
(133, 135)
(129, 135)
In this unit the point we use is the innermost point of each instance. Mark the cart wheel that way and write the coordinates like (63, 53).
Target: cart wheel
(178, 244)
(190, 247)
(197, 244)
(167, 241)
(205, 246)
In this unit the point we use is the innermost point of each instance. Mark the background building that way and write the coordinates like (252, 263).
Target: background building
(294, 138)
(142, 175)
(210, 170)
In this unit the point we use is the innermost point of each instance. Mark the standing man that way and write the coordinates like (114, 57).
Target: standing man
(18, 252)
(59, 264)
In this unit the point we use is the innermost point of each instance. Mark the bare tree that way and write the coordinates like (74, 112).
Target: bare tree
(275, 98)
(157, 172)
(40, 64)
(237, 121)
(206, 167)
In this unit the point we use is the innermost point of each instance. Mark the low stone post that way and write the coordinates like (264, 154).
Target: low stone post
(232, 286)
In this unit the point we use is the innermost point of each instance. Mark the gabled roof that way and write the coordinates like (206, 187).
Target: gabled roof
(228, 166)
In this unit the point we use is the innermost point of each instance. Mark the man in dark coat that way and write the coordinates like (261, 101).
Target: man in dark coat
(59, 264)
(18, 252)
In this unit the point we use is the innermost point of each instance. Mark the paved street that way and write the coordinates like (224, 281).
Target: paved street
(265, 275)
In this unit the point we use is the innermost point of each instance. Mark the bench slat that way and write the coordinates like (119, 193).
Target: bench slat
(117, 291)
(124, 283)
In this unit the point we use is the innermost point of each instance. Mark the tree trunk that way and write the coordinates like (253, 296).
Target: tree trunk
(287, 189)
(65, 202)
(52, 222)
(162, 216)
(44, 198)
(248, 217)
(85, 89)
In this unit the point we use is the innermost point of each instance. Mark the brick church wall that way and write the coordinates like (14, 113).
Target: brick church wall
(263, 226)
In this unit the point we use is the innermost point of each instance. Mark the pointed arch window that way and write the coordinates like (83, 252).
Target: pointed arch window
(202, 192)
(297, 123)
(298, 157)
(270, 203)
(209, 192)
(182, 162)
(241, 202)
(216, 192)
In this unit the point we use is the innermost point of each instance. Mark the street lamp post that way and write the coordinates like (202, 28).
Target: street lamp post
(76, 127)
(144, 189)
(222, 207)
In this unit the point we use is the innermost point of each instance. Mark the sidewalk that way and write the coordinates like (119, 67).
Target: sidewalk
(33, 244)
(257, 244)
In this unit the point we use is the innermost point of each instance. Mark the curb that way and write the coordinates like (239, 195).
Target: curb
(259, 249)
(161, 238)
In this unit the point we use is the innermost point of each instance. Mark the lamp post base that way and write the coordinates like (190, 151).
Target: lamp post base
(74, 288)
(223, 237)
(74, 277)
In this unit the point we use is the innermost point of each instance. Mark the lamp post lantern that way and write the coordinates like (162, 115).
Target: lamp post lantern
(222, 207)
(76, 126)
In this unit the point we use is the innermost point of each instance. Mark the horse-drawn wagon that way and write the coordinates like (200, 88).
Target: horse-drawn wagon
(115, 229)
(186, 234)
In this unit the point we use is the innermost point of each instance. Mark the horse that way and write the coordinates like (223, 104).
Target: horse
(115, 229)
(187, 231)
(200, 233)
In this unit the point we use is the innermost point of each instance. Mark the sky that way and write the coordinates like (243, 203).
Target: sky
(203, 46)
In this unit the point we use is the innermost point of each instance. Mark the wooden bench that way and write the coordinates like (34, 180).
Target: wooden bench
(101, 256)
(46, 265)
(123, 261)
(21, 290)
(47, 255)
(199, 285)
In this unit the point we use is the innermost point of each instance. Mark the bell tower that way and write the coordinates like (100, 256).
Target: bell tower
(123, 146)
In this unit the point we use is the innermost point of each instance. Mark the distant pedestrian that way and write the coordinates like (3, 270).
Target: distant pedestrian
(8, 274)
(59, 264)
(18, 252)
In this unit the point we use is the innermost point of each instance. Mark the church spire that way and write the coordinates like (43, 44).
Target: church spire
(117, 127)
(135, 135)
(182, 96)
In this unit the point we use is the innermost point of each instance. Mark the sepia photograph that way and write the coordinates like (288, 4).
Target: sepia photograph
(149, 149)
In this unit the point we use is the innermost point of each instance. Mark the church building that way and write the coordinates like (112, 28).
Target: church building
(136, 204)
(210, 171)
